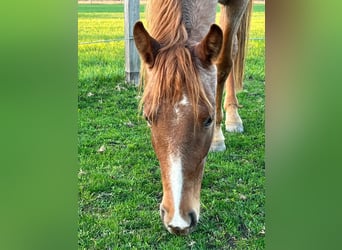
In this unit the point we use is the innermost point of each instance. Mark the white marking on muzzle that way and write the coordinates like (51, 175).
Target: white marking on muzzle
(176, 177)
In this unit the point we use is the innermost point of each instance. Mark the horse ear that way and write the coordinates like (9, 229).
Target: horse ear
(209, 48)
(146, 45)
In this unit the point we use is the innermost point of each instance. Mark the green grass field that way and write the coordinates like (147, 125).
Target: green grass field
(120, 187)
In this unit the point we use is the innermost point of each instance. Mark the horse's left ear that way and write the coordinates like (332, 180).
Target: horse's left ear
(209, 48)
(147, 46)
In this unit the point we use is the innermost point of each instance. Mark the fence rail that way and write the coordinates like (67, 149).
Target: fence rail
(105, 1)
(122, 39)
(122, 1)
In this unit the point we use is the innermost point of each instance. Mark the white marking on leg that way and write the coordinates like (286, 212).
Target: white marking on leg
(176, 177)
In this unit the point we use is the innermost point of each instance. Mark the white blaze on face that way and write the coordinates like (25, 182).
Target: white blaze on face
(183, 102)
(176, 178)
(176, 174)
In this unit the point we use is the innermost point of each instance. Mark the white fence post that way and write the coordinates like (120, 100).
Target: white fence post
(132, 60)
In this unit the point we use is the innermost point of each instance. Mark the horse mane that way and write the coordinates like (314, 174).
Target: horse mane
(164, 22)
(174, 69)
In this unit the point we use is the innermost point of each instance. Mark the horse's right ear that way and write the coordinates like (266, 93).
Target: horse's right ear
(146, 45)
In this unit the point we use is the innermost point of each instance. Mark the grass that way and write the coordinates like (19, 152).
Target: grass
(120, 187)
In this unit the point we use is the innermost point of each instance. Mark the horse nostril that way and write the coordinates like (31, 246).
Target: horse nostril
(193, 221)
(176, 230)
(162, 213)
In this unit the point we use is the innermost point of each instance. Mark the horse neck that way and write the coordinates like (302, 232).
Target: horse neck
(198, 15)
(180, 21)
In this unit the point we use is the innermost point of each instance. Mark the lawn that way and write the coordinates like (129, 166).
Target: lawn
(119, 177)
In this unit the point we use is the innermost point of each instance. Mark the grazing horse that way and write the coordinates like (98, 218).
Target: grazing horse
(186, 61)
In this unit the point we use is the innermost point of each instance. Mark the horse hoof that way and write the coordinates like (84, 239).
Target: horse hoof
(234, 127)
(217, 146)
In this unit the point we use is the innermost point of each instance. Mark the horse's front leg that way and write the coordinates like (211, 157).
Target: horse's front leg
(233, 120)
(223, 69)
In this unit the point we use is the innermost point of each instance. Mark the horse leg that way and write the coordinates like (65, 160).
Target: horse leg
(218, 138)
(231, 16)
(224, 64)
(239, 14)
(233, 120)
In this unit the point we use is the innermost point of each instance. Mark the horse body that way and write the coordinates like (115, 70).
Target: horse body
(179, 100)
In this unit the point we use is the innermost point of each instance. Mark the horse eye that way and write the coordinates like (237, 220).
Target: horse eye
(208, 122)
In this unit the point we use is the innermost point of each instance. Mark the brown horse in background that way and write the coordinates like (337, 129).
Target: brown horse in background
(187, 59)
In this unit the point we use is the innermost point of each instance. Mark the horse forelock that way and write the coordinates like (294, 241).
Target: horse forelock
(174, 70)
(174, 74)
